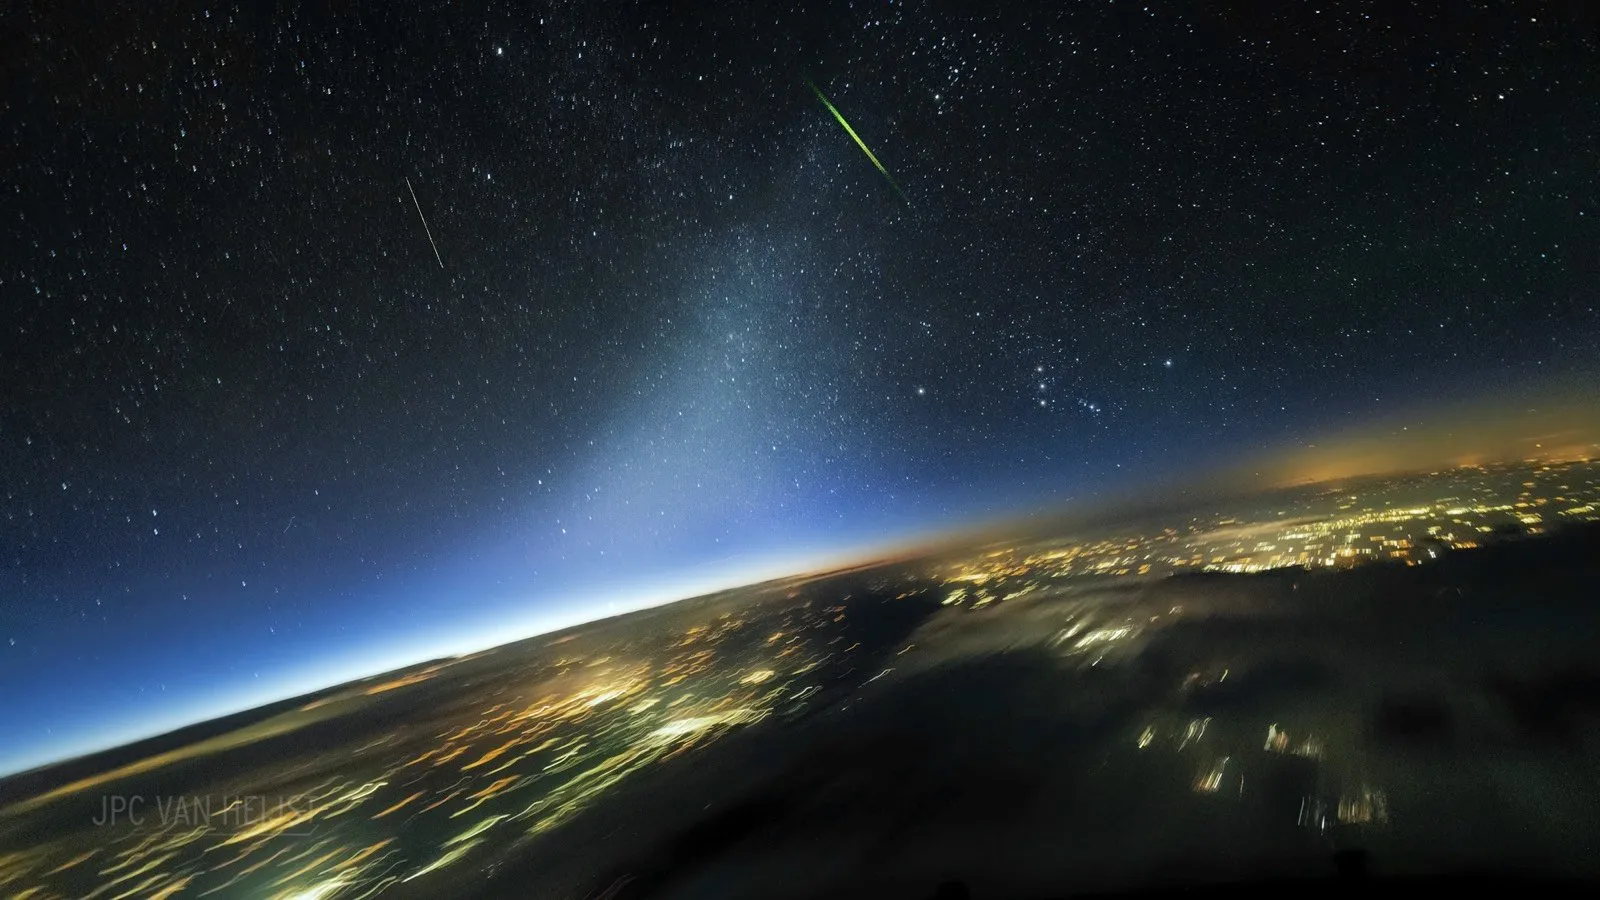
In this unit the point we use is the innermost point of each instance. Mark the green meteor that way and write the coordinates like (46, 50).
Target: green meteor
(857, 138)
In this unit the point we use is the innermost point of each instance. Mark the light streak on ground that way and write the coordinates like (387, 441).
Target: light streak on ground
(445, 766)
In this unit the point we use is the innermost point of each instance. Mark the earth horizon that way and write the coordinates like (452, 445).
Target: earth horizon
(1288, 669)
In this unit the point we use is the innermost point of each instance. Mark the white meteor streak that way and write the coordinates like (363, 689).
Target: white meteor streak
(426, 230)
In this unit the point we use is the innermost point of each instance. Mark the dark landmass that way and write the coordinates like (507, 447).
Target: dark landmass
(1011, 775)
(907, 729)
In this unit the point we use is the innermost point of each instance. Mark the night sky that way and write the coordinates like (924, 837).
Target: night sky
(256, 439)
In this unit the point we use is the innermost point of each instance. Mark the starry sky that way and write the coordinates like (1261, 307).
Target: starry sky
(337, 336)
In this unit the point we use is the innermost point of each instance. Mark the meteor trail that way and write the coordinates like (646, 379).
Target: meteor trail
(857, 138)
(429, 231)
